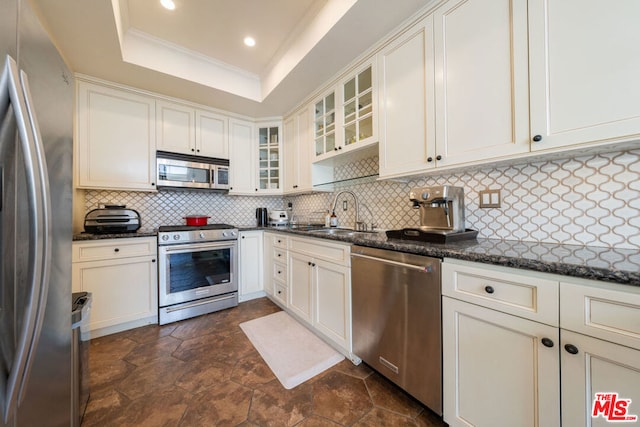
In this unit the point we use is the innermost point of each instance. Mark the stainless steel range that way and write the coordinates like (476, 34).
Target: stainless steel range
(198, 271)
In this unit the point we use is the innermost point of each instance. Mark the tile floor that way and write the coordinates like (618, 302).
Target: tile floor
(205, 372)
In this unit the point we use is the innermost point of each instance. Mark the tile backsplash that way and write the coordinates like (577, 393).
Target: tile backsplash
(589, 200)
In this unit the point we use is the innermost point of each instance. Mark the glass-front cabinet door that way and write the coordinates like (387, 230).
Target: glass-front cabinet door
(269, 156)
(358, 108)
(325, 124)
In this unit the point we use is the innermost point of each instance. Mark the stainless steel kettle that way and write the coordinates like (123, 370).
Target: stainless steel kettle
(262, 217)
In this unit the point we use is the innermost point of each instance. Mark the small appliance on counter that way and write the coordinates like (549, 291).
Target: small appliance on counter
(112, 219)
(441, 216)
(278, 218)
(262, 217)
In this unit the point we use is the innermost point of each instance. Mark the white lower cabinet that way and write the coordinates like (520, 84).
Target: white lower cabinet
(497, 369)
(316, 288)
(507, 362)
(250, 280)
(124, 287)
(598, 367)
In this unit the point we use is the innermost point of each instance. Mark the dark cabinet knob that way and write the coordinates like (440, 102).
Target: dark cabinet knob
(295, 186)
(116, 250)
(153, 184)
(256, 189)
(197, 151)
(309, 263)
(279, 292)
(335, 149)
(192, 150)
(279, 255)
(243, 237)
(279, 272)
(153, 260)
(547, 342)
(571, 348)
(438, 157)
(230, 188)
(429, 159)
(537, 138)
(489, 289)
(313, 264)
(339, 148)
(279, 241)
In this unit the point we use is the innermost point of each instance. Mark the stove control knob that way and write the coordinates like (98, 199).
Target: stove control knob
(425, 195)
(225, 234)
(201, 235)
(176, 237)
(234, 234)
(165, 237)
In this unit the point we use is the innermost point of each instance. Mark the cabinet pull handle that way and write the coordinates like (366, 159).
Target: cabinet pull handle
(489, 289)
(571, 348)
(537, 138)
(429, 159)
(438, 157)
(116, 250)
(547, 342)
(153, 260)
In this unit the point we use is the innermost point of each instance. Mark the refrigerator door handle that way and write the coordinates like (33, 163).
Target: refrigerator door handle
(12, 91)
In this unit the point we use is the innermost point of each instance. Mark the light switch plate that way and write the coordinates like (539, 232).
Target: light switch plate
(489, 198)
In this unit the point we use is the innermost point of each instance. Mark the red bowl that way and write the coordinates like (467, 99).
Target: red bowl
(196, 219)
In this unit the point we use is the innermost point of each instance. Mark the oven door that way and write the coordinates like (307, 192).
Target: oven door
(194, 271)
(180, 173)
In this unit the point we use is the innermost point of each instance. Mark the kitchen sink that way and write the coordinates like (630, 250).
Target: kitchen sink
(340, 232)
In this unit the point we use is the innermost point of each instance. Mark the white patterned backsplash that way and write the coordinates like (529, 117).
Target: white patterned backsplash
(590, 200)
(168, 207)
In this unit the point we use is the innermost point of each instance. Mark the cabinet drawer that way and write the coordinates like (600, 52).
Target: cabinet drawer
(280, 293)
(280, 241)
(280, 272)
(113, 249)
(320, 248)
(505, 289)
(607, 311)
(280, 255)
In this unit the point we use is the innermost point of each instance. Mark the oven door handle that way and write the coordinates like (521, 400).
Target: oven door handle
(205, 246)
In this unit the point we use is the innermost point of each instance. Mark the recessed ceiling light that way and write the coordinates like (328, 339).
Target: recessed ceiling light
(249, 41)
(168, 4)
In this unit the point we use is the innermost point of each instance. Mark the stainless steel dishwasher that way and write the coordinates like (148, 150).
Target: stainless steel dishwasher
(397, 319)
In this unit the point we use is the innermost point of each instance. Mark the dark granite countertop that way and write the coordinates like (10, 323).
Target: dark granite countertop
(606, 264)
(150, 232)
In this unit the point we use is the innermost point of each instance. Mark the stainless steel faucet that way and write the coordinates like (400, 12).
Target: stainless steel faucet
(358, 224)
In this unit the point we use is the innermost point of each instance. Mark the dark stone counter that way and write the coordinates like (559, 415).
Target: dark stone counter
(595, 263)
(139, 233)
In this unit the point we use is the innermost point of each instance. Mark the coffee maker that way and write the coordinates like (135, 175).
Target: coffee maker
(441, 208)
(441, 216)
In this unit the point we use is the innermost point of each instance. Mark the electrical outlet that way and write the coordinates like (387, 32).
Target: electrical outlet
(489, 198)
(345, 206)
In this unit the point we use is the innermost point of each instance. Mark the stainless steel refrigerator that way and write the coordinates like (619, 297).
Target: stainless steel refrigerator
(36, 128)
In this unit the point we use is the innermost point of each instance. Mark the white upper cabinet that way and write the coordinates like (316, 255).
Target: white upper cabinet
(359, 108)
(324, 125)
(345, 116)
(186, 130)
(242, 178)
(175, 128)
(212, 135)
(585, 63)
(254, 157)
(406, 90)
(296, 150)
(269, 158)
(115, 139)
(481, 61)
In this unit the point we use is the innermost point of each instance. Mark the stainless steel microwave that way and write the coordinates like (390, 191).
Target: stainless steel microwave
(195, 172)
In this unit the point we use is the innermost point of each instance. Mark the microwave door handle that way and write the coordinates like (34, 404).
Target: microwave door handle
(39, 224)
(212, 176)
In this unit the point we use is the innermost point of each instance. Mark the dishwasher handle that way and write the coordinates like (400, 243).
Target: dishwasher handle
(422, 268)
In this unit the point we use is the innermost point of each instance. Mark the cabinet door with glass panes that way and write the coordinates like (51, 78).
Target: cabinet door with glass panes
(359, 108)
(325, 125)
(269, 158)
